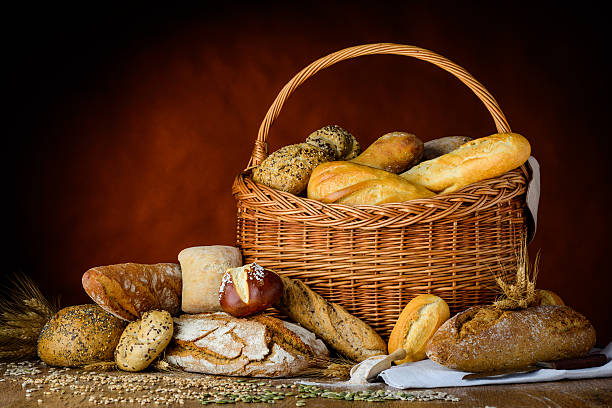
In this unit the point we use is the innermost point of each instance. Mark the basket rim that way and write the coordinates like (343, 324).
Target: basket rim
(277, 205)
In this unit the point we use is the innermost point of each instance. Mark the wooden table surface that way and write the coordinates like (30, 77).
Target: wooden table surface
(20, 388)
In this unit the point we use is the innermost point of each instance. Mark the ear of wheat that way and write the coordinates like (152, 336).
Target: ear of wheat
(522, 293)
(23, 313)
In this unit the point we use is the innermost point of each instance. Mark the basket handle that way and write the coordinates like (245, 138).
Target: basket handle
(260, 150)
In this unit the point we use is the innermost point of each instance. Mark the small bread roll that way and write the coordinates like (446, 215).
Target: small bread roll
(289, 168)
(441, 146)
(338, 142)
(416, 324)
(393, 152)
(548, 297)
(473, 161)
(143, 340)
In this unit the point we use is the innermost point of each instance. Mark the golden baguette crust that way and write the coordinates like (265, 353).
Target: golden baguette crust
(341, 330)
(354, 184)
(484, 338)
(416, 324)
(393, 152)
(473, 161)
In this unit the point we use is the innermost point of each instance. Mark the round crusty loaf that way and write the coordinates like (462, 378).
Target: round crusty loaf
(441, 146)
(484, 338)
(339, 142)
(289, 168)
(393, 152)
(143, 340)
(79, 335)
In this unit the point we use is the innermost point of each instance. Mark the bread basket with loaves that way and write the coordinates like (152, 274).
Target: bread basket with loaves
(372, 259)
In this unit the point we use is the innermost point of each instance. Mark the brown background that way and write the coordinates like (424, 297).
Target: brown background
(128, 126)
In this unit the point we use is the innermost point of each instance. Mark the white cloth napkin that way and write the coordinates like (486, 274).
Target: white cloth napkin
(533, 197)
(427, 374)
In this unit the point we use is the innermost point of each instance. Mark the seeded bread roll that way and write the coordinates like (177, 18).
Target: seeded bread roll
(438, 147)
(338, 142)
(484, 338)
(289, 168)
(143, 340)
(257, 346)
(79, 335)
(341, 330)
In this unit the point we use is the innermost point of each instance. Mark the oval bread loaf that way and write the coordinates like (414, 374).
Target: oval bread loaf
(473, 161)
(130, 289)
(79, 335)
(484, 338)
(416, 324)
(393, 152)
(143, 340)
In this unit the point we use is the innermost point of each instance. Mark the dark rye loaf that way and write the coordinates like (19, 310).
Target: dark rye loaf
(484, 338)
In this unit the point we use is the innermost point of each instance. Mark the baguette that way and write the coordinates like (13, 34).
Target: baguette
(473, 161)
(341, 330)
(484, 338)
(354, 184)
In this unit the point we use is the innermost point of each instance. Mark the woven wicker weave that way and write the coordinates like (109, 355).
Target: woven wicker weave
(373, 259)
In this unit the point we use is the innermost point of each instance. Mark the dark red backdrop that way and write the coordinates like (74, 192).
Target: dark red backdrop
(128, 126)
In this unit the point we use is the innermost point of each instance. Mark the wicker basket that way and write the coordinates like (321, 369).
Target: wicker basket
(373, 259)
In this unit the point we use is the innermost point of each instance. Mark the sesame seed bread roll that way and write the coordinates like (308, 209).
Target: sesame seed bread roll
(79, 335)
(477, 160)
(143, 340)
(416, 324)
(484, 338)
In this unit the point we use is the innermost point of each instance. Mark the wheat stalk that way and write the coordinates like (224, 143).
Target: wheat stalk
(522, 293)
(329, 367)
(23, 313)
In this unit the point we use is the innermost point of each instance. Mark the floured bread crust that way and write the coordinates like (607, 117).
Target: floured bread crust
(258, 346)
(483, 338)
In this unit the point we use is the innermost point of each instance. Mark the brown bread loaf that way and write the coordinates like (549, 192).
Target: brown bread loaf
(339, 142)
(394, 152)
(79, 335)
(473, 161)
(350, 183)
(128, 290)
(341, 330)
(257, 346)
(484, 338)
